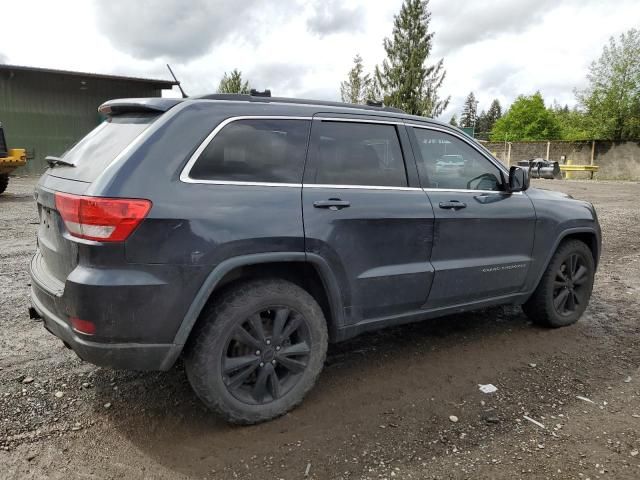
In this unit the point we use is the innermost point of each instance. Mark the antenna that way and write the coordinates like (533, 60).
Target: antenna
(184, 95)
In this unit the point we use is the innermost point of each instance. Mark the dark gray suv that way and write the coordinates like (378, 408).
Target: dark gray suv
(247, 232)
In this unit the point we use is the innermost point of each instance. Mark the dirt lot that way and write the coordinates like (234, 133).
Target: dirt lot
(383, 404)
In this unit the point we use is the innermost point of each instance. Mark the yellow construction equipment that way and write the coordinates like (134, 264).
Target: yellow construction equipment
(10, 159)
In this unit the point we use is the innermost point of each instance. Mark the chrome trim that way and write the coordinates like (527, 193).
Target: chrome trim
(184, 174)
(359, 187)
(358, 120)
(464, 190)
(247, 184)
(497, 163)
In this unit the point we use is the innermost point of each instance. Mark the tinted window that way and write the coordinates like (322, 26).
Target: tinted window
(448, 162)
(255, 151)
(101, 146)
(356, 154)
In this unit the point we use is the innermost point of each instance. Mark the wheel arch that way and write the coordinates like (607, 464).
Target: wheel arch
(310, 272)
(587, 235)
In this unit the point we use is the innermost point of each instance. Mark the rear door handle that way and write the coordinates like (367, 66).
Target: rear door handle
(453, 205)
(332, 204)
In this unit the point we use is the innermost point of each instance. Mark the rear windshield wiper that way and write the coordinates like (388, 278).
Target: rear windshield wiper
(53, 161)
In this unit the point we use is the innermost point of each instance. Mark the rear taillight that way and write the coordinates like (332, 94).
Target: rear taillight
(101, 219)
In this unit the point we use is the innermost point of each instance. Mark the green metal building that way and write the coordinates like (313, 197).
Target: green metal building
(46, 111)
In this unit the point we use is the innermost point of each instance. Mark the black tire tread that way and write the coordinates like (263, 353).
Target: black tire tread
(231, 299)
(539, 307)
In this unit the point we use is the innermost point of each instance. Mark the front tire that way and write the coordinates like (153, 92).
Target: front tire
(565, 287)
(258, 350)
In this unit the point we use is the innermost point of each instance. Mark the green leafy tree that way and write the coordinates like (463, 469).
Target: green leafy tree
(469, 112)
(454, 120)
(612, 98)
(404, 79)
(527, 119)
(574, 124)
(233, 83)
(357, 88)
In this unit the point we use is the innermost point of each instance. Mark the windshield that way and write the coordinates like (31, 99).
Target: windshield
(91, 155)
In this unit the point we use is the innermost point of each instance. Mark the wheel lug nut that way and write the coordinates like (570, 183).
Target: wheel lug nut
(257, 352)
(273, 362)
(262, 364)
(268, 342)
(278, 347)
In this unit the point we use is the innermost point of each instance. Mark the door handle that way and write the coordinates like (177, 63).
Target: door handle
(332, 204)
(453, 205)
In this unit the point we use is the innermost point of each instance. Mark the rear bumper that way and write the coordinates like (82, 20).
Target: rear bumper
(130, 356)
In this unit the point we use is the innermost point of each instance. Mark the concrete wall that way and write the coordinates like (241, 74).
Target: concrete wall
(617, 160)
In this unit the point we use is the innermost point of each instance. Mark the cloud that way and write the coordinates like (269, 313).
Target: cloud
(279, 77)
(331, 16)
(3, 58)
(181, 31)
(470, 22)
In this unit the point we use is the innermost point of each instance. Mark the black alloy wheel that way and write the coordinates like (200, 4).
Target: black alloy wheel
(266, 355)
(570, 285)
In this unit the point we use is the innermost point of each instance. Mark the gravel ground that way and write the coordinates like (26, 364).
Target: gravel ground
(401, 403)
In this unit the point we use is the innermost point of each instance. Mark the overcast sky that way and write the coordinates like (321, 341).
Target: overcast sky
(496, 48)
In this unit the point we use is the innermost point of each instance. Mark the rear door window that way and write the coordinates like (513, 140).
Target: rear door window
(95, 152)
(255, 150)
(351, 153)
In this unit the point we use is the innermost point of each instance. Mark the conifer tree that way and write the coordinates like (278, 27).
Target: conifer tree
(357, 87)
(404, 78)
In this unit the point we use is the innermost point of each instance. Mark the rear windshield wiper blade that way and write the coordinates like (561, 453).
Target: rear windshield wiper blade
(53, 161)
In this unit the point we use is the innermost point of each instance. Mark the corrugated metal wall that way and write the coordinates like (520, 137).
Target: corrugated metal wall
(46, 113)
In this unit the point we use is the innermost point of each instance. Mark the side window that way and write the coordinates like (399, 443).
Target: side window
(349, 153)
(448, 162)
(257, 150)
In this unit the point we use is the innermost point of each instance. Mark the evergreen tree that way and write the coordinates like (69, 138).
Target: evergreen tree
(469, 111)
(482, 122)
(404, 79)
(493, 115)
(357, 88)
(233, 83)
(453, 121)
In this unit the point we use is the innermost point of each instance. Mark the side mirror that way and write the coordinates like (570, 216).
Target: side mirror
(518, 179)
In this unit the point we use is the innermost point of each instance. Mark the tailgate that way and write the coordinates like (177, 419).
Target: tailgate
(57, 256)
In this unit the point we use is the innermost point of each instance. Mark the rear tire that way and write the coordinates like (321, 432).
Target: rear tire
(565, 287)
(4, 182)
(257, 351)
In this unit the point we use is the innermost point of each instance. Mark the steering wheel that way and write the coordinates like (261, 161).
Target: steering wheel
(490, 177)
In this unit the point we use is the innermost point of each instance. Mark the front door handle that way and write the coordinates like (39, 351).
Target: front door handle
(332, 204)
(453, 205)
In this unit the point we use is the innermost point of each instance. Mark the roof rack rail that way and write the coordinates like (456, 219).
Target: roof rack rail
(256, 96)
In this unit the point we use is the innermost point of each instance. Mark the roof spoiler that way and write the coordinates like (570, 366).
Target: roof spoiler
(137, 105)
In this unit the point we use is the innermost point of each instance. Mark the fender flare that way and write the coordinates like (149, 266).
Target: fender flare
(218, 273)
(564, 234)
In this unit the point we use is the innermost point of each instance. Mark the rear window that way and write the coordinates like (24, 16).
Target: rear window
(257, 150)
(91, 155)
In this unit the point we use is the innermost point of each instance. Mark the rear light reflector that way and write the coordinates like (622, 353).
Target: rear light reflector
(83, 326)
(101, 219)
